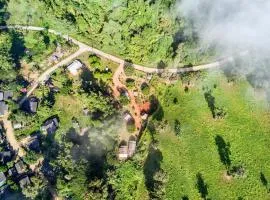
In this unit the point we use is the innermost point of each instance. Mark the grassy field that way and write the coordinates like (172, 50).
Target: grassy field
(245, 127)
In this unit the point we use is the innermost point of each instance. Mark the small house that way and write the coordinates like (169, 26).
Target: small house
(8, 95)
(6, 156)
(3, 108)
(74, 67)
(31, 105)
(2, 179)
(123, 152)
(86, 111)
(17, 125)
(25, 181)
(144, 116)
(131, 147)
(127, 117)
(50, 125)
(12, 172)
(20, 167)
(34, 144)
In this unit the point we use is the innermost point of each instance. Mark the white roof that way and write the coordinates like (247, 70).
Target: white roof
(74, 67)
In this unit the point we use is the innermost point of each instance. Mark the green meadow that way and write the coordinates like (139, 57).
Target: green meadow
(194, 151)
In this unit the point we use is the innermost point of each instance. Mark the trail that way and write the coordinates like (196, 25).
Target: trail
(11, 136)
(119, 60)
(118, 84)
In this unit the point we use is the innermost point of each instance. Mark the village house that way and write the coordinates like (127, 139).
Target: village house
(131, 147)
(50, 125)
(20, 167)
(127, 117)
(12, 172)
(31, 105)
(123, 152)
(17, 125)
(5, 95)
(6, 156)
(74, 67)
(25, 181)
(34, 143)
(3, 108)
(2, 179)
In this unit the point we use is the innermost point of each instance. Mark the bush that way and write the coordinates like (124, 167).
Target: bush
(130, 83)
(177, 127)
(94, 61)
(131, 127)
(129, 70)
(145, 88)
(124, 100)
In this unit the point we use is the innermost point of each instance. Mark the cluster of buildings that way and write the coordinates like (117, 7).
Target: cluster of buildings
(127, 150)
(4, 96)
(17, 171)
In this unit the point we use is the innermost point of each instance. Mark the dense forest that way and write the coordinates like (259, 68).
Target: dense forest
(143, 31)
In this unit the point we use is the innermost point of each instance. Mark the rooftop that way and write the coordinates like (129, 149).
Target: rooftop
(3, 108)
(2, 179)
(50, 125)
(74, 67)
(20, 167)
(24, 181)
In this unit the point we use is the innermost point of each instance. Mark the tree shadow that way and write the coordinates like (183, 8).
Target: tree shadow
(178, 38)
(151, 167)
(201, 186)
(263, 179)
(18, 47)
(223, 151)
(156, 108)
(4, 15)
(185, 197)
(210, 99)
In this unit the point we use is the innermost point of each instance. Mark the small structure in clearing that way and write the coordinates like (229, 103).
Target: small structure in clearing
(128, 117)
(74, 67)
(50, 125)
(3, 108)
(127, 150)
(2, 179)
(20, 168)
(31, 105)
(123, 152)
(24, 182)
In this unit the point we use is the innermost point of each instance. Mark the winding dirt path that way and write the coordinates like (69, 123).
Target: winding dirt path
(11, 136)
(118, 84)
(119, 60)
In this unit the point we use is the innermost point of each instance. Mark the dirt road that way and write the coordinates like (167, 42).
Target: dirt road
(118, 84)
(11, 136)
(44, 76)
(119, 60)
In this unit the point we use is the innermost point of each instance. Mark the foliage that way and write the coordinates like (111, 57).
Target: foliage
(242, 140)
(145, 88)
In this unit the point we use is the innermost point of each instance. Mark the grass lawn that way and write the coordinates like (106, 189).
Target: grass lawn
(246, 127)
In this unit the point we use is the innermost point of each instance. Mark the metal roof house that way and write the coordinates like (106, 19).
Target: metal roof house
(5, 95)
(50, 125)
(31, 105)
(3, 108)
(2, 179)
(24, 182)
(19, 166)
(74, 67)
(131, 147)
(123, 152)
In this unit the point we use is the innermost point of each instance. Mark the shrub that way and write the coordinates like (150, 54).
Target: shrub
(129, 70)
(145, 88)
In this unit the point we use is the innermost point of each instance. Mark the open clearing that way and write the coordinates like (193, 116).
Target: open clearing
(246, 127)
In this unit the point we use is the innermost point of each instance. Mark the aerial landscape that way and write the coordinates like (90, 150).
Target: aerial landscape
(134, 100)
